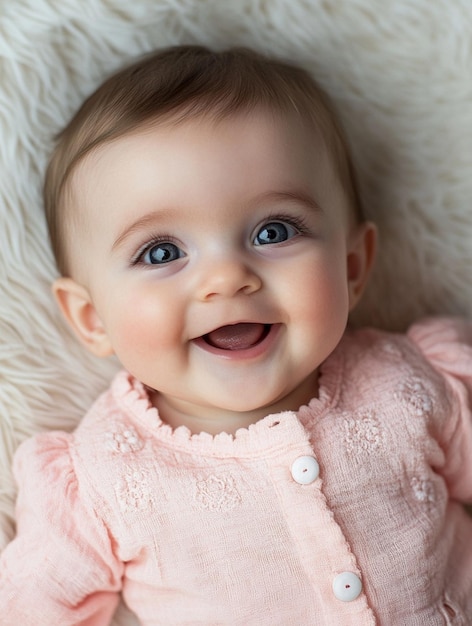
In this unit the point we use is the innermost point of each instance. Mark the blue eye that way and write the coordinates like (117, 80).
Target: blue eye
(275, 232)
(161, 253)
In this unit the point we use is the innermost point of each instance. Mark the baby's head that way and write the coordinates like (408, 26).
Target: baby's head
(205, 219)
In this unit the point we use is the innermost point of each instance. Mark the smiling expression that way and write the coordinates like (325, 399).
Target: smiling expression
(218, 260)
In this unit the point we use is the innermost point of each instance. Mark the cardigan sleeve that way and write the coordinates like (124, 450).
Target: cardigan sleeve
(60, 568)
(447, 345)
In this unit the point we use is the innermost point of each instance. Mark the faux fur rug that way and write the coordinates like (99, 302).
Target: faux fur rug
(400, 73)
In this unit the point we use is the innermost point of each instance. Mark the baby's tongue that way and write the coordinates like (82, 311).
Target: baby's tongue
(236, 336)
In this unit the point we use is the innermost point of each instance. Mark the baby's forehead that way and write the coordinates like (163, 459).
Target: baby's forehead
(178, 136)
(170, 155)
(261, 122)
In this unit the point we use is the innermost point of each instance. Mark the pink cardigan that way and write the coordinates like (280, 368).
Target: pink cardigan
(345, 513)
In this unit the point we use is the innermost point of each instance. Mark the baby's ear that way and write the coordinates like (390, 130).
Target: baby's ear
(362, 249)
(76, 305)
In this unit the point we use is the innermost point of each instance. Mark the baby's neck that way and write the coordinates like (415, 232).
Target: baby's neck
(215, 420)
(176, 416)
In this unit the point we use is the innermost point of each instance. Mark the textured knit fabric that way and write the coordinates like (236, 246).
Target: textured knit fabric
(219, 530)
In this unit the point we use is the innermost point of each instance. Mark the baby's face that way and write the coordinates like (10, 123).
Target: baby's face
(219, 259)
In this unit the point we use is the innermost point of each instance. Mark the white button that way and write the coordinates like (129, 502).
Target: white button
(305, 470)
(347, 586)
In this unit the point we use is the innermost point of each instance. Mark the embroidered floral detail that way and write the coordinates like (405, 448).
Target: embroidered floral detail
(362, 434)
(423, 490)
(414, 393)
(217, 493)
(123, 439)
(133, 491)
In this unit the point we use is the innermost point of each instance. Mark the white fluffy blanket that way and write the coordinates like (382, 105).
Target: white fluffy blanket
(400, 72)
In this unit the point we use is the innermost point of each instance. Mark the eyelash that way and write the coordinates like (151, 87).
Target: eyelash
(299, 223)
(153, 241)
(296, 222)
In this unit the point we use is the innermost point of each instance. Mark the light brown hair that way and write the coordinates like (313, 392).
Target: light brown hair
(181, 82)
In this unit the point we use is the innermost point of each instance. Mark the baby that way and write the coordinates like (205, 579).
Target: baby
(254, 462)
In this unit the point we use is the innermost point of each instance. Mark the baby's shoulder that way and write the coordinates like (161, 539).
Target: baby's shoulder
(431, 344)
(377, 364)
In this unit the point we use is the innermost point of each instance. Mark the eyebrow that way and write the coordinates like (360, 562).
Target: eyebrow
(141, 224)
(164, 214)
(296, 196)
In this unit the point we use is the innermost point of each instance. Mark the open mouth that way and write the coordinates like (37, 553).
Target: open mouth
(235, 337)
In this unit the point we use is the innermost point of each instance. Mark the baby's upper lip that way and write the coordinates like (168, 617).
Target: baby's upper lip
(225, 324)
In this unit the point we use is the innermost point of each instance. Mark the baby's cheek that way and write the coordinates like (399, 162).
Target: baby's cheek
(143, 329)
(140, 328)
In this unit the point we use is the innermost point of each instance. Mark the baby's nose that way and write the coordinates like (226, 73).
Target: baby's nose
(227, 278)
